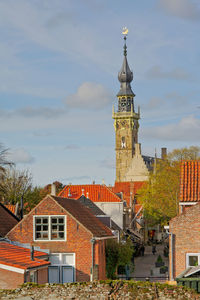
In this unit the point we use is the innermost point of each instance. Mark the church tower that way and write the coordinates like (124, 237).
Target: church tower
(125, 121)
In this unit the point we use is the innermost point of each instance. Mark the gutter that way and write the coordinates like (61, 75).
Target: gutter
(105, 238)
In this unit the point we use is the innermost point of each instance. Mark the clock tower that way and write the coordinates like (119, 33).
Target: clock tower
(125, 121)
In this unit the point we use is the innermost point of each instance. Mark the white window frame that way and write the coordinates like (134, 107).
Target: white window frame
(35, 276)
(192, 254)
(49, 228)
(61, 264)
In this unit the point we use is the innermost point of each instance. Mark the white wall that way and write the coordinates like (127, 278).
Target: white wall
(113, 210)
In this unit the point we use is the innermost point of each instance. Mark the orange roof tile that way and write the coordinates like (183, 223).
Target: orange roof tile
(190, 181)
(127, 188)
(95, 192)
(11, 207)
(19, 257)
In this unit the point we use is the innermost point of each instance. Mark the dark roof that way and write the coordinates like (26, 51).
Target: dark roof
(91, 205)
(96, 210)
(19, 257)
(149, 161)
(84, 216)
(7, 220)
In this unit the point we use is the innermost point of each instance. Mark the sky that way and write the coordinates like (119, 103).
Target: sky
(59, 62)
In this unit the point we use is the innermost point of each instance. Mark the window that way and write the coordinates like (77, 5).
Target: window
(192, 259)
(57, 228)
(62, 267)
(41, 228)
(49, 228)
(123, 143)
(33, 276)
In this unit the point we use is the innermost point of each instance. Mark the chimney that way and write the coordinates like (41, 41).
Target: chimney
(163, 153)
(69, 193)
(53, 189)
(32, 252)
(93, 182)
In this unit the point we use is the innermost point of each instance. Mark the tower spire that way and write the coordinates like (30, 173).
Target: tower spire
(125, 47)
(125, 76)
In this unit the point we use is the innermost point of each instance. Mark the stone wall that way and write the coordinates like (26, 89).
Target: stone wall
(101, 290)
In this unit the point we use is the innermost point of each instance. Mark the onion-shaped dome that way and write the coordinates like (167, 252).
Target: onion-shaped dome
(125, 76)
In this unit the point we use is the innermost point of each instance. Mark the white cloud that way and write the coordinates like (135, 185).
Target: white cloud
(156, 72)
(90, 95)
(187, 129)
(20, 155)
(187, 9)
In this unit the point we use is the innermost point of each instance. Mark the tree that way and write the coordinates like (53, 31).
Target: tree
(15, 184)
(3, 160)
(160, 195)
(117, 254)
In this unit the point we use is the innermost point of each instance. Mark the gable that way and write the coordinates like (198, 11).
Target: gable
(23, 231)
(138, 170)
(190, 216)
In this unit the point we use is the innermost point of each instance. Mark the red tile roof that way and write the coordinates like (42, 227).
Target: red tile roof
(83, 215)
(7, 220)
(19, 257)
(11, 207)
(95, 192)
(190, 181)
(127, 188)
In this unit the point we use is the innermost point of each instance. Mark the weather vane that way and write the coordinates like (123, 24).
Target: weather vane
(125, 31)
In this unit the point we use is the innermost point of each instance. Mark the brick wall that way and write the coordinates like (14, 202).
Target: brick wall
(10, 279)
(78, 238)
(186, 231)
(42, 275)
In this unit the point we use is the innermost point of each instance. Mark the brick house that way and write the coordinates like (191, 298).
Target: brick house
(184, 229)
(74, 236)
(7, 220)
(19, 265)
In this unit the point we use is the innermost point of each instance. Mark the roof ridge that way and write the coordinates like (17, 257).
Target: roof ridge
(9, 211)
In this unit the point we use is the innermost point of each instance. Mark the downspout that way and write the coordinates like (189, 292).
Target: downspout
(92, 267)
(172, 257)
(171, 254)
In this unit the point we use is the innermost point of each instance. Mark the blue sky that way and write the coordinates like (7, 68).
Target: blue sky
(58, 81)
